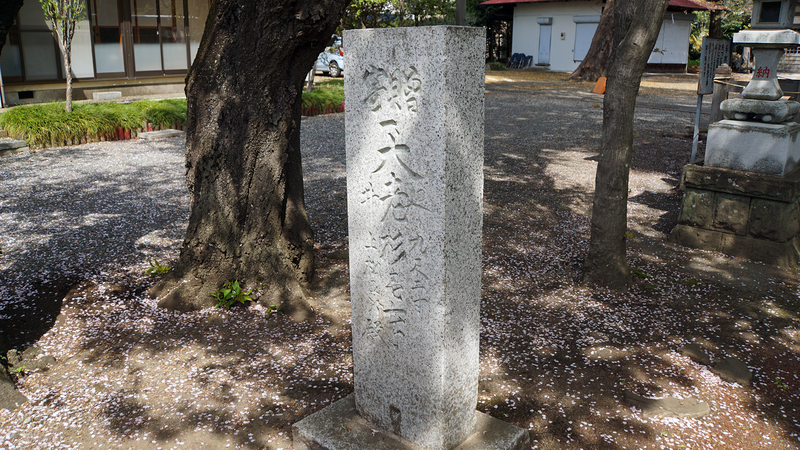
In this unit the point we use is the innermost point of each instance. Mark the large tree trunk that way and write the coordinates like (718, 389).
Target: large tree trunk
(8, 14)
(595, 62)
(248, 220)
(636, 25)
(715, 24)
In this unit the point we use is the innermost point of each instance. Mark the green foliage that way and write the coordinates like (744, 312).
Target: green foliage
(63, 14)
(323, 101)
(497, 66)
(162, 112)
(333, 82)
(230, 294)
(48, 124)
(639, 274)
(629, 235)
(398, 13)
(274, 308)
(18, 371)
(780, 383)
(735, 19)
(156, 268)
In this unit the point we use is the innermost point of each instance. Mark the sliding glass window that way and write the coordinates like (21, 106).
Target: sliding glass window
(173, 35)
(107, 36)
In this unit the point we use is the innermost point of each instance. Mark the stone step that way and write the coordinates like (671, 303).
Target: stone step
(160, 134)
(10, 146)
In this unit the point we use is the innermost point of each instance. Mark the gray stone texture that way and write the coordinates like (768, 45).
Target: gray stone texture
(697, 209)
(776, 221)
(107, 95)
(764, 85)
(777, 39)
(772, 149)
(731, 213)
(339, 427)
(755, 216)
(160, 134)
(414, 119)
(769, 112)
(733, 370)
(691, 408)
(10, 146)
(717, 179)
(696, 352)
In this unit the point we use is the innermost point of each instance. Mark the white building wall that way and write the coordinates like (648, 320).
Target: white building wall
(672, 42)
(526, 30)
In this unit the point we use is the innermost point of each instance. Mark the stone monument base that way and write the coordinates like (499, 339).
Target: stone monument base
(773, 149)
(742, 214)
(339, 427)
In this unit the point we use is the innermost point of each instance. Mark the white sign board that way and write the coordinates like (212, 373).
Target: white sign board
(715, 53)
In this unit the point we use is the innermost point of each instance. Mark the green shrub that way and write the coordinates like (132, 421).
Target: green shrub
(333, 82)
(48, 125)
(497, 66)
(323, 101)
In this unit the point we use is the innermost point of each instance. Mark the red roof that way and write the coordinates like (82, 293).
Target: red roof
(682, 4)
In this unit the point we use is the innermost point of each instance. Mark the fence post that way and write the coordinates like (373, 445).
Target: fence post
(721, 76)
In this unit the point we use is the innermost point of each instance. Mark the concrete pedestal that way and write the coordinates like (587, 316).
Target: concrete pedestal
(741, 214)
(772, 149)
(339, 427)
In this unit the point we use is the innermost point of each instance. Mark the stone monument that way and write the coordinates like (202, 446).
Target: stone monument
(414, 136)
(745, 200)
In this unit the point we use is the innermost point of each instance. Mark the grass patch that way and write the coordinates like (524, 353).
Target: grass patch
(323, 101)
(48, 125)
(497, 66)
(333, 82)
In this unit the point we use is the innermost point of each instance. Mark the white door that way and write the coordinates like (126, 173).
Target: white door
(544, 45)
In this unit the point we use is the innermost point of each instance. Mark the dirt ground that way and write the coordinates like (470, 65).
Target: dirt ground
(557, 355)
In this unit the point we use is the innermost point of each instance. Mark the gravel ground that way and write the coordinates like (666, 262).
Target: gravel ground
(79, 225)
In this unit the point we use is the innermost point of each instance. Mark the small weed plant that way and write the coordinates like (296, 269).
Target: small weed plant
(230, 294)
(274, 308)
(156, 268)
(17, 373)
(779, 383)
(639, 274)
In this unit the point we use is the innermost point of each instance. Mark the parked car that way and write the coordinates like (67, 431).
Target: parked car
(331, 61)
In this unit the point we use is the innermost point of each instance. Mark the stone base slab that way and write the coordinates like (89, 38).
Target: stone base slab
(786, 254)
(160, 134)
(772, 149)
(742, 214)
(339, 427)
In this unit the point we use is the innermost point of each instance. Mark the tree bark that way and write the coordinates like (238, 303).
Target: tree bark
(8, 14)
(715, 24)
(594, 63)
(636, 25)
(68, 73)
(243, 167)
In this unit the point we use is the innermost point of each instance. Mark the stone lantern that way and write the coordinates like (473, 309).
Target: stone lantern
(745, 199)
(771, 14)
